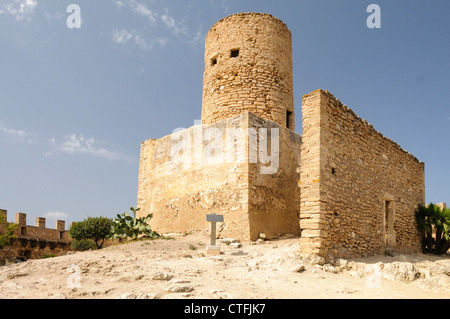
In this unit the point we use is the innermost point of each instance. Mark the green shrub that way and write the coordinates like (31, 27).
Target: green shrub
(8, 237)
(98, 229)
(83, 244)
(126, 226)
(434, 224)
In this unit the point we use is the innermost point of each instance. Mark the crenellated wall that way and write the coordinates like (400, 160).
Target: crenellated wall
(36, 241)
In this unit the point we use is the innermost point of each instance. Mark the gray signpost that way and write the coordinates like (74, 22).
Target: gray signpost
(213, 249)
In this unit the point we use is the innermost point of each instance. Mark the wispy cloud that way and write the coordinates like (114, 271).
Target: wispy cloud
(173, 26)
(198, 37)
(119, 4)
(142, 43)
(142, 10)
(71, 144)
(55, 16)
(17, 136)
(77, 144)
(176, 26)
(124, 36)
(22, 10)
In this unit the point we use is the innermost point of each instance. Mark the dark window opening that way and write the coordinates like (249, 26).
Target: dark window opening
(61, 235)
(214, 61)
(333, 171)
(23, 231)
(288, 119)
(234, 53)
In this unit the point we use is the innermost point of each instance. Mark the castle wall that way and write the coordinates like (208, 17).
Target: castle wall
(274, 198)
(359, 188)
(181, 184)
(259, 79)
(35, 241)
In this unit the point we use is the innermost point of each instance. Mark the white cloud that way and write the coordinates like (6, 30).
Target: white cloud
(142, 10)
(172, 25)
(161, 41)
(119, 4)
(55, 16)
(142, 43)
(77, 144)
(122, 36)
(20, 9)
(199, 37)
(17, 136)
(177, 26)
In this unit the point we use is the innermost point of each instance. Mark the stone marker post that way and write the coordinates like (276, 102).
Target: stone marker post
(213, 219)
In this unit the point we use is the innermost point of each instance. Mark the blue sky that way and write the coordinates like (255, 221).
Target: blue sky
(75, 104)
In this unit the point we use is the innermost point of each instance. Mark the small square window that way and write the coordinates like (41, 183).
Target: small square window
(234, 53)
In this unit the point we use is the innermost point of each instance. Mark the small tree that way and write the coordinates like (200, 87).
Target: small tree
(94, 228)
(434, 224)
(9, 236)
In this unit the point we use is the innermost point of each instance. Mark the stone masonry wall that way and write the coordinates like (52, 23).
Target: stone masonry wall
(274, 199)
(180, 185)
(248, 67)
(359, 188)
(35, 241)
(181, 193)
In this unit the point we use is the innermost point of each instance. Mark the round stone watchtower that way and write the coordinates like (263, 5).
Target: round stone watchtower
(248, 67)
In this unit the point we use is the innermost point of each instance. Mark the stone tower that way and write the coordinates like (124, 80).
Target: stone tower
(248, 68)
(343, 187)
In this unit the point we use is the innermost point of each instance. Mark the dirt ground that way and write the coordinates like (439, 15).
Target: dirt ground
(179, 268)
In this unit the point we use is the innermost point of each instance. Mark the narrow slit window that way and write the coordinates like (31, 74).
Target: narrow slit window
(234, 53)
(288, 119)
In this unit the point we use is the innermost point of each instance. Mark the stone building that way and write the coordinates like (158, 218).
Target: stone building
(341, 187)
(33, 242)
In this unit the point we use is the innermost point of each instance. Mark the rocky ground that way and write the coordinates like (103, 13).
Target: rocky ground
(179, 268)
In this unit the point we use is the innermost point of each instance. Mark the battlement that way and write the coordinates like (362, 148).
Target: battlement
(36, 241)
